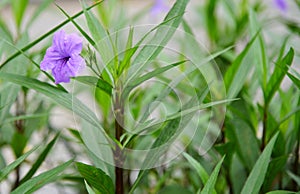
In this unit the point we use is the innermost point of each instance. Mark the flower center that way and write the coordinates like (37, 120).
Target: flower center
(65, 59)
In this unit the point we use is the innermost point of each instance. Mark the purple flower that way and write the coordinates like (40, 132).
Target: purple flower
(280, 4)
(63, 57)
(159, 6)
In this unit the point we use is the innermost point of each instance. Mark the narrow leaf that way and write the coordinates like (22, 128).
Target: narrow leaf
(197, 166)
(294, 177)
(281, 192)
(39, 160)
(96, 178)
(294, 79)
(209, 186)
(281, 69)
(256, 177)
(39, 181)
(19, 7)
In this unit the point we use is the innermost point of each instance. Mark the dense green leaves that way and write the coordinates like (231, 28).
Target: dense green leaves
(180, 105)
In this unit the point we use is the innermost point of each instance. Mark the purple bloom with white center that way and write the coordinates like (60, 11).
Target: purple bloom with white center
(159, 6)
(281, 4)
(63, 57)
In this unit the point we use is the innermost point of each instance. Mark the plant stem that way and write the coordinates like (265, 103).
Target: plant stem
(118, 155)
(264, 132)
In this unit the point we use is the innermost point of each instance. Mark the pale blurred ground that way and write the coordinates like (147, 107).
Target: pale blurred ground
(52, 16)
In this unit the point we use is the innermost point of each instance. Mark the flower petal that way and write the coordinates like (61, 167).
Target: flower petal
(58, 43)
(61, 72)
(73, 44)
(281, 4)
(50, 59)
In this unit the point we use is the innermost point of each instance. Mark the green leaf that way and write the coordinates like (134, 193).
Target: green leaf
(295, 80)
(211, 20)
(281, 69)
(259, 50)
(96, 178)
(18, 7)
(5, 171)
(276, 166)
(39, 160)
(25, 117)
(246, 142)
(210, 184)
(294, 177)
(281, 192)
(171, 189)
(237, 174)
(18, 143)
(128, 53)
(98, 32)
(99, 35)
(101, 151)
(76, 134)
(39, 181)
(198, 167)
(237, 73)
(89, 189)
(94, 81)
(5, 32)
(149, 125)
(258, 173)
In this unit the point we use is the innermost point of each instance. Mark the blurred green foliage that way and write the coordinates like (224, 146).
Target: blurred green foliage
(244, 79)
